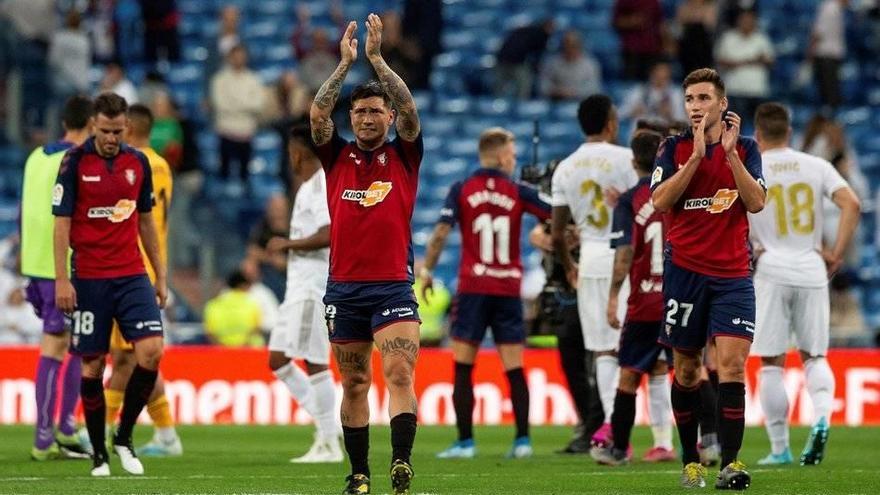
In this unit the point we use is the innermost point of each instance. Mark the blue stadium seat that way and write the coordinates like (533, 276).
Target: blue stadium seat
(438, 125)
(494, 107)
(454, 106)
(533, 109)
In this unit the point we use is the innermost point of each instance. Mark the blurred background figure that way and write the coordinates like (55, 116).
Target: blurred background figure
(237, 99)
(232, 319)
(696, 21)
(745, 56)
(658, 98)
(640, 25)
(115, 81)
(571, 74)
(422, 28)
(827, 50)
(519, 57)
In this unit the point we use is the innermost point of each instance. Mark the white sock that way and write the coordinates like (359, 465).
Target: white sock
(325, 400)
(297, 382)
(820, 385)
(660, 410)
(166, 435)
(607, 377)
(774, 401)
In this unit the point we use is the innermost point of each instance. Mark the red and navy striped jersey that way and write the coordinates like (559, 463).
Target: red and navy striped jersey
(371, 196)
(103, 198)
(638, 224)
(488, 206)
(708, 226)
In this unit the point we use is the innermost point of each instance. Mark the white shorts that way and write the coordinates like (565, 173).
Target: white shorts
(592, 296)
(301, 332)
(789, 316)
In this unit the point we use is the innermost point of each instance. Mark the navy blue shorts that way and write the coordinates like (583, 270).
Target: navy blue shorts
(700, 307)
(472, 314)
(356, 310)
(131, 301)
(639, 348)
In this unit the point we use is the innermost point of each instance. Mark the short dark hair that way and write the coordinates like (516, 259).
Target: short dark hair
(301, 134)
(78, 109)
(141, 118)
(705, 75)
(369, 89)
(594, 113)
(773, 120)
(110, 105)
(644, 146)
(237, 280)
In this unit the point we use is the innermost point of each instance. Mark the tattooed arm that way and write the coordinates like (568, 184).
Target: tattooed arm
(322, 106)
(408, 126)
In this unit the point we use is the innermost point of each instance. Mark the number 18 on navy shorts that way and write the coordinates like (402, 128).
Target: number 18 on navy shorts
(131, 301)
(700, 307)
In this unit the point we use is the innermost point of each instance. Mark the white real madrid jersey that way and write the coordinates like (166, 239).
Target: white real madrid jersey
(307, 270)
(789, 228)
(580, 182)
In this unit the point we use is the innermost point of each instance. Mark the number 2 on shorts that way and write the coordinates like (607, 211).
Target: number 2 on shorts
(672, 312)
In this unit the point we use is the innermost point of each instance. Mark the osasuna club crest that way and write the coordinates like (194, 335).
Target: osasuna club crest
(383, 158)
(130, 176)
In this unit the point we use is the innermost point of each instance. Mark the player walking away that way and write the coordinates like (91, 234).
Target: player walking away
(580, 185)
(488, 206)
(638, 241)
(165, 441)
(298, 334)
(371, 191)
(102, 203)
(707, 180)
(791, 278)
(38, 265)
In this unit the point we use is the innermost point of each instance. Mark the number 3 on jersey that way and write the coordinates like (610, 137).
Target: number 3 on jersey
(599, 217)
(494, 238)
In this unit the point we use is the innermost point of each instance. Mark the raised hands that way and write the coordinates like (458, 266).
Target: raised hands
(373, 47)
(348, 44)
(730, 132)
(700, 139)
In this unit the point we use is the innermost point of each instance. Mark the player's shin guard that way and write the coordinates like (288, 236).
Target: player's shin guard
(46, 392)
(774, 402)
(113, 401)
(137, 392)
(463, 400)
(708, 416)
(686, 409)
(70, 395)
(357, 445)
(403, 434)
(731, 419)
(519, 397)
(820, 385)
(623, 418)
(94, 409)
(607, 374)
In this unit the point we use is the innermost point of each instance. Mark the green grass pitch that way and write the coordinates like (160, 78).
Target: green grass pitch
(253, 459)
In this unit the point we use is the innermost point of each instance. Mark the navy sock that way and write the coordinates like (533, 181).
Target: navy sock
(519, 397)
(92, 393)
(137, 392)
(731, 419)
(463, 400)
(622, 418)
(403, 434)
(357, 445)
(686, 409)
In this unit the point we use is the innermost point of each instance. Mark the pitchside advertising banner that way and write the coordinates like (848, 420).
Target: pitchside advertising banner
(215, 385)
